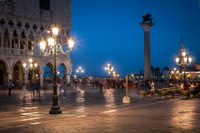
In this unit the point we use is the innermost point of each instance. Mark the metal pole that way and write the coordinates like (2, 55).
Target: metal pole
(126, 86)
(55, 109)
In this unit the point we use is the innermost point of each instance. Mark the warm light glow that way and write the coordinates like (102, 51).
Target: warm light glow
(31, 65)
(177, 59)
(185, 59)
(71, 43)
(30, 60)
(55, 31)
(24, 65)
(183, 53)
(42, 45)
(35, 65)
(51, 42)
(190, 59)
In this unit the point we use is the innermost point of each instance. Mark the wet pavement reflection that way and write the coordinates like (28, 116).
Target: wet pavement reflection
(104, 110)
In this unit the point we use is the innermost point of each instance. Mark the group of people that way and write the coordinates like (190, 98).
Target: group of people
(34, 88)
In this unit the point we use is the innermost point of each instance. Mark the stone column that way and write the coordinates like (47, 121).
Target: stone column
(26, 76)
(18, 44)
(41, 80)
(68, 78)
(10, 44)
(10, 77)
(147, 56)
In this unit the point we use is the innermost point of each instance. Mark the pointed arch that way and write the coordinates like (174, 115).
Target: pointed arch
(6, 39)
(62, 71)
(18, 73)
(3, 73)
(23, 40)
(31, 41)
(48, 71)
(15, 39)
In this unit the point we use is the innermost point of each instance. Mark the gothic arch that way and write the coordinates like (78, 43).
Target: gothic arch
(3, 73)
(48, 70)
(18, 73)
(62, 71)
(23, 40)
(15, 39)
(6, 39)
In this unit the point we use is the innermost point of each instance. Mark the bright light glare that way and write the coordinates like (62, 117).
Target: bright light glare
(51, 42)
(71, 43)
(55, 31)
(42, 45)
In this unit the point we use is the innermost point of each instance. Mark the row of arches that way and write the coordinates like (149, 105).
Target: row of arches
(20, 74)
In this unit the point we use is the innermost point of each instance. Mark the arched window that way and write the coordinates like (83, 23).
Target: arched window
(23, 41)
(6, 39)
(14, 39)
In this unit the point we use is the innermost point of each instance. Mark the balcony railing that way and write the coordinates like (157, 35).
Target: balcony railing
(24, 52)
(16, 52)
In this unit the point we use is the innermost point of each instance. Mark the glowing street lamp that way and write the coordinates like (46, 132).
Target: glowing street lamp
(80, 70)
(183, 60)
(109, 68)
(174, 73)
(54, 48)
(30, 66)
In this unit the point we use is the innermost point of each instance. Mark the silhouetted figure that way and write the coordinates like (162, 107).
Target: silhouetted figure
(10, 84)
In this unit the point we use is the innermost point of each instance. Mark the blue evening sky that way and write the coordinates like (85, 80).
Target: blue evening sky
(108, 31)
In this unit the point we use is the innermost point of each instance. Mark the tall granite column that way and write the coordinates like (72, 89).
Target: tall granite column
(147, 56)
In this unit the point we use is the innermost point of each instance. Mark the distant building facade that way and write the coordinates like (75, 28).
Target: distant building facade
(23, 23)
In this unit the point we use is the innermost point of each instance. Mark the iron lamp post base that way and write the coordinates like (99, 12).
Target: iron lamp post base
(55, 110)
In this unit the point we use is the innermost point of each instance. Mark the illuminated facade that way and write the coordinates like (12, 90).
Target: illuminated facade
(23, 23)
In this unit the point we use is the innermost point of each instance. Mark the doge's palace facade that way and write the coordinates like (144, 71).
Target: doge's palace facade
(23, 23)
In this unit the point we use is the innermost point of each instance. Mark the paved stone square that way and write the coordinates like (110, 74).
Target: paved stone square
(92, 111)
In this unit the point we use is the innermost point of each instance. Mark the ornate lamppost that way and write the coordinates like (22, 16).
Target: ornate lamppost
(54, 48)
(174, 73)
(109, 68)
(80, 70)
(183, 60)
(31, 66)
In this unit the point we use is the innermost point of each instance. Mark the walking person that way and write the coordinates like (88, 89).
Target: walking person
(38, 90)
(152, 88)
(25, 98)
(10, 87)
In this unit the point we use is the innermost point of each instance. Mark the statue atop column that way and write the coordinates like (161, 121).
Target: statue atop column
(147, 18)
